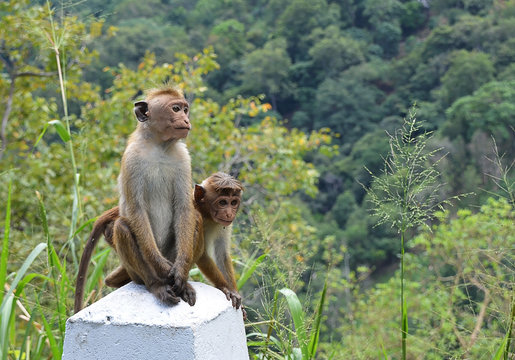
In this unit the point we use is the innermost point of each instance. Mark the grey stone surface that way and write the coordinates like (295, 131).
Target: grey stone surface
(130, 323)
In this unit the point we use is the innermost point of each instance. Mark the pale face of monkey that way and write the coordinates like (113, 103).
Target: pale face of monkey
(166, 116)
(170, 117)
(218, 198)
(223, 209)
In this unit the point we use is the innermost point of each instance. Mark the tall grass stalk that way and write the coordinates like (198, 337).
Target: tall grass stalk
(56, 42)
(509, 333)
(60, 285)
(406, 193)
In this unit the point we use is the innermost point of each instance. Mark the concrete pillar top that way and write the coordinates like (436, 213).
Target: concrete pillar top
(131, 324)
(133, 304)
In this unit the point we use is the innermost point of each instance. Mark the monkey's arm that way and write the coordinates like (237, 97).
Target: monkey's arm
(184, 228)
(213, 273)
(228, 271)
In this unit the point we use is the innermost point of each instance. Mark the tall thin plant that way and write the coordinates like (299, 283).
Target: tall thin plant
(56, 42)
(406, 193)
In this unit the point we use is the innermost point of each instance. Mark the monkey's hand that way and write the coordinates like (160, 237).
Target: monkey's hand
(165, 293)
(244, 312)
(189, 294)
(181, 286)
(232, 296)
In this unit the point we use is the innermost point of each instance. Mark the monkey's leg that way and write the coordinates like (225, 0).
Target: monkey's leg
(118, 277)
(213, 273)
(137, 268)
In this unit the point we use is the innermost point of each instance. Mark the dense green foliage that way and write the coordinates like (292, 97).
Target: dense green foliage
(293, 97)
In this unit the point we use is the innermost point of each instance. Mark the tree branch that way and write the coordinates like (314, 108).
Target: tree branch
(31, 73)
(5, 117)
(482, 313)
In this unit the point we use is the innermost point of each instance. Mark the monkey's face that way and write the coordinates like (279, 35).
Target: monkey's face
(166, 116)
(223, 208)
(220, 205)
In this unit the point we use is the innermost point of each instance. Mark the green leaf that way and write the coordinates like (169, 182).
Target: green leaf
(54, 347)
(249, 270)
(384, 351)
(194, 272)
(313, 343)
(500, 351)
(6, 315)
(98, 271)
(298, 320)
(21, 272)
(7, 307)
(61, 130)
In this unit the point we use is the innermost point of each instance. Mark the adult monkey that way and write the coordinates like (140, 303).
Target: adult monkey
(217, 201)
(154, 232)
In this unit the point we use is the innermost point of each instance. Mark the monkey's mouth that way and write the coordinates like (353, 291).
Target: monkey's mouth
(223, 222)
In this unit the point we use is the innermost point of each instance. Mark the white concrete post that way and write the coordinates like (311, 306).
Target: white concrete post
(131, 324)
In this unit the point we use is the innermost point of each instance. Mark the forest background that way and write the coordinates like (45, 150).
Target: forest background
(299, 99)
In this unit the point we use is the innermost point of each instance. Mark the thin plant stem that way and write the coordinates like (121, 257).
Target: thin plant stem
(510, 329)
(62, 84)
(403, 310)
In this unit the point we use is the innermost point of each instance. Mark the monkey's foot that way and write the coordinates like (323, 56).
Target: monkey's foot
(165, 294)
(189, 295)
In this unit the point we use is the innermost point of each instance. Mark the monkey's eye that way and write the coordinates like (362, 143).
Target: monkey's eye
(223, 203)
(176, 108)
(234, 202)
(186, 110)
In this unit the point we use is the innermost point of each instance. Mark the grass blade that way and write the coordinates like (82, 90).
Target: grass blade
(98, 271)
(5, 243)
(384, 351)
(54, 347)
(21, 272)
(90, 221)
(298, 320)
(249, 270)
(7, 307)
(313, 343)
(264, 342)
(28, 327)
(503, 350)
(61, 130)
(41, 135)
(7, 315)
(500, 351)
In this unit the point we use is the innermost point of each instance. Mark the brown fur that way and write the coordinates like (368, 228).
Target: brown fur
(211, 250)
(218, 199)
(154, 232)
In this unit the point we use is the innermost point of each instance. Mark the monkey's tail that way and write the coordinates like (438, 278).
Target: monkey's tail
(100, 226)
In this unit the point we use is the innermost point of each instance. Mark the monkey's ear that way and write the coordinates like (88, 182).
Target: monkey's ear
(199, 193)
(141, 110)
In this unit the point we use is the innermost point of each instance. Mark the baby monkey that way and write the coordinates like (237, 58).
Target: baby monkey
(216, 200)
